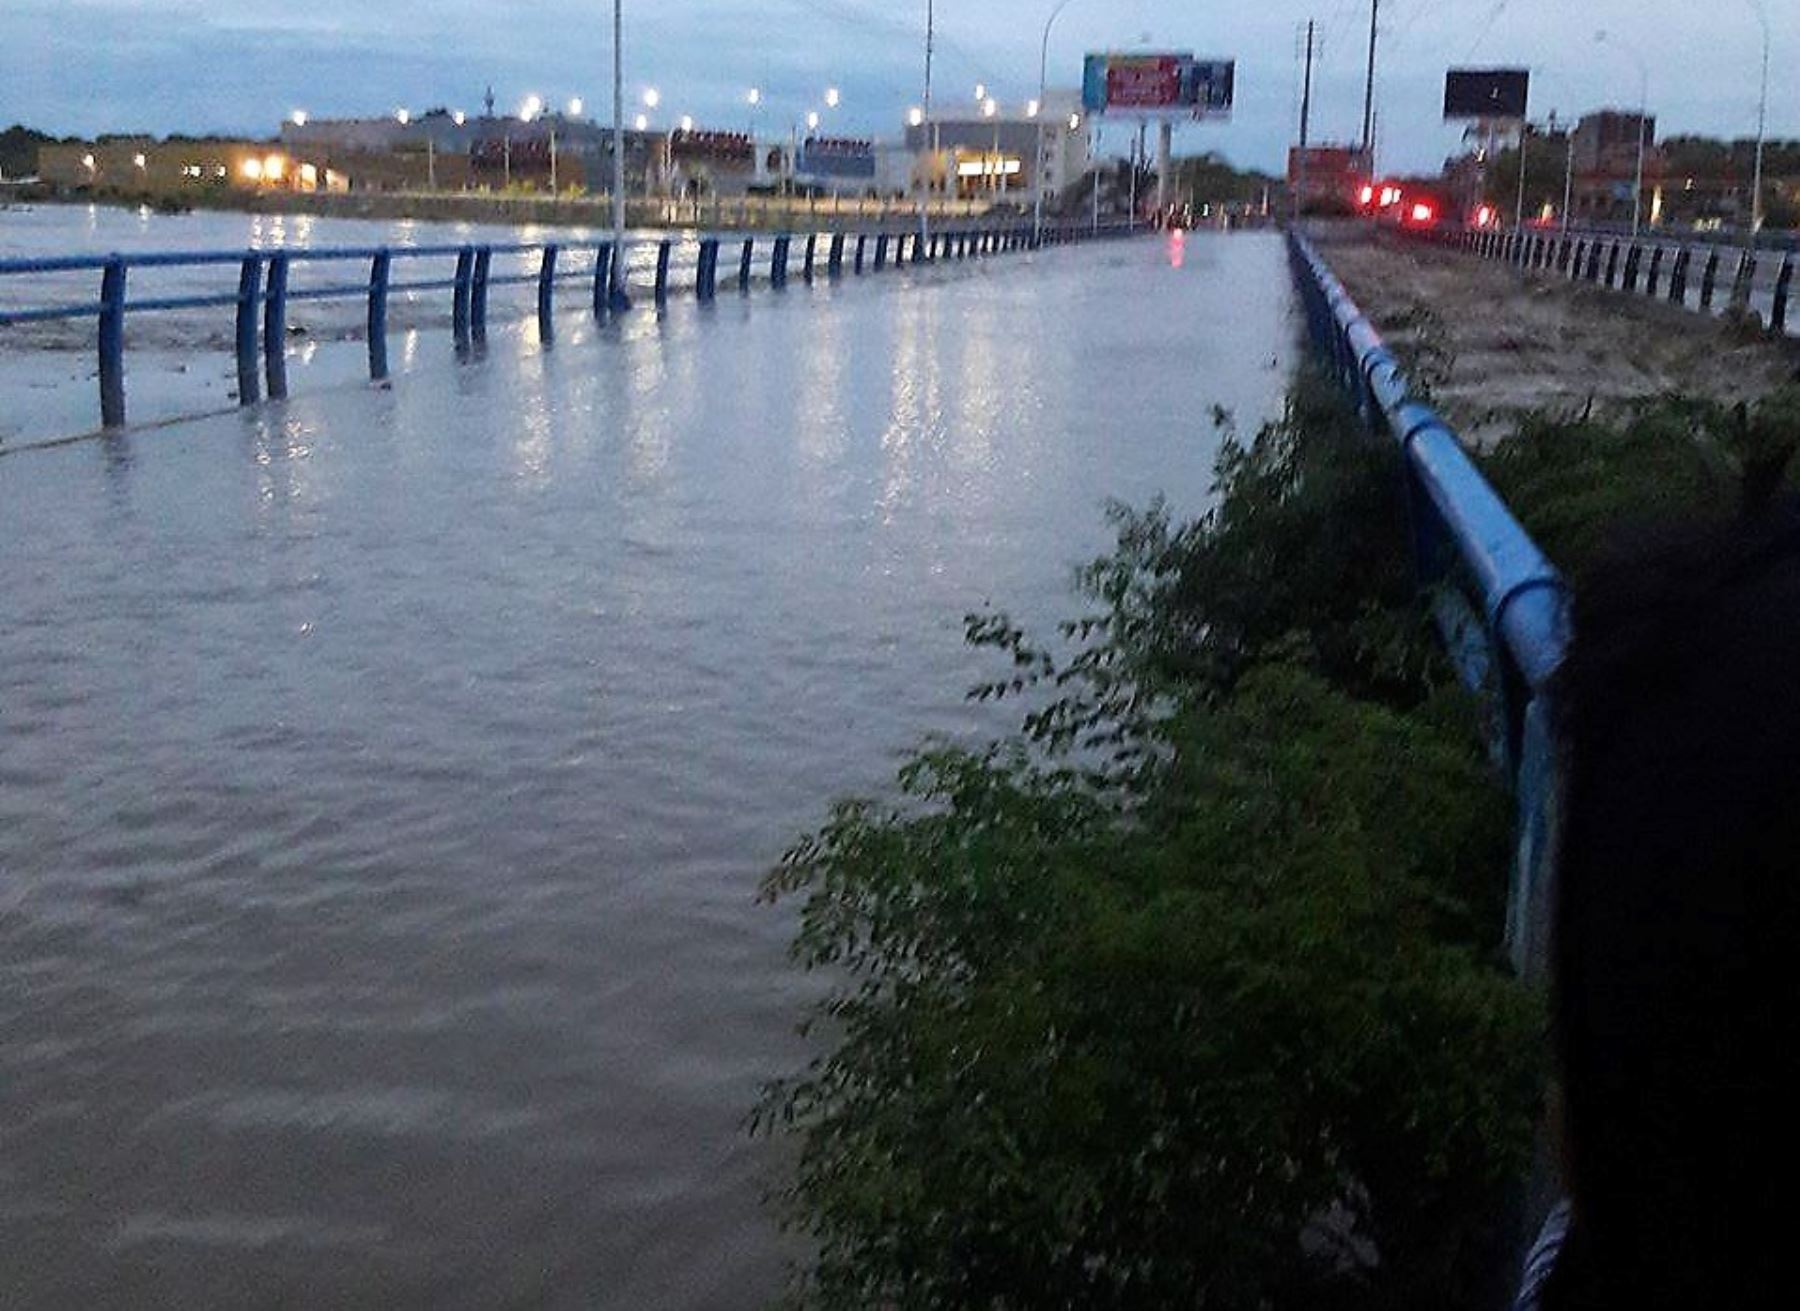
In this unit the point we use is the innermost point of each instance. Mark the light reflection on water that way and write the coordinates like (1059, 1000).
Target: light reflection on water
(385, 775)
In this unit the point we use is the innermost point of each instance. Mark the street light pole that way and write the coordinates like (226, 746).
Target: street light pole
(1637, 183)
(616, 291)
(1037, 169)
(931, 130)
(1762, 125)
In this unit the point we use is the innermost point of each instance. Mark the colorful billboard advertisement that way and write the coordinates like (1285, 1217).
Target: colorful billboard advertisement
(1165, 84)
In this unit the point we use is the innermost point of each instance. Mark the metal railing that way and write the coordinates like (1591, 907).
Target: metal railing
(264, 288)
(1656, 267)
(1500, 604)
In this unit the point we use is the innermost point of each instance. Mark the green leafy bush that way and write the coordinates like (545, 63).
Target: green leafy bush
(1187, 995)
(1579, 484)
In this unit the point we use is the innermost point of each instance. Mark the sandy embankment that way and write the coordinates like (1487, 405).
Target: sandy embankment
(1492, 344)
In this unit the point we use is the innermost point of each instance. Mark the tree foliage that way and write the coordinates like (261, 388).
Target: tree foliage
(1187, 994)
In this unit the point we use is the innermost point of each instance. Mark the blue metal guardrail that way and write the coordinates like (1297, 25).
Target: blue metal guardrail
(1499, 602)
(263, 294)
(1622, 262)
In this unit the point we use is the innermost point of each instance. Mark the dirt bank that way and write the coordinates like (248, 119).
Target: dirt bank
(1492, 344)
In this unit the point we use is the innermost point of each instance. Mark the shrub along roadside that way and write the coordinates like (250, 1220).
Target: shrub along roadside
(1189, 994)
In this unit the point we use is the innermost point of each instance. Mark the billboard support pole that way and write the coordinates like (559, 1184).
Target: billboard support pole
(1519, 207)
(1165, 149)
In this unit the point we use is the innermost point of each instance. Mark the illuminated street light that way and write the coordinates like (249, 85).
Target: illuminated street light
(1031, 109)
(652, 97)
(981, 91)
(812, 120)
(403, 116)
(687, 123)
(1074, 121)
(533, 106)
(643, 122)
(575, 107)
(915, 116)
(990, 107)
(298, 118)
(755, 96)
(459, 118)
(831, 97)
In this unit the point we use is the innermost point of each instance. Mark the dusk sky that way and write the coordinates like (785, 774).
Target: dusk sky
(237, 66)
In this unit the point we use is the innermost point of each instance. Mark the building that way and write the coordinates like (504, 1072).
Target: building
(1604, 158)
(145, 165)
(977, 154)
(1328, 179)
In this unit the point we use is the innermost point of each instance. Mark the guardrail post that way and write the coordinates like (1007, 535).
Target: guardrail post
(812, 250)
(862, 240)
(918, 248)
(602, 278)
(112, 343)
(1744, 279)
(1678, 276)
(1784, 286)
(834, 256)
(478, 289)
(1612, 265)
(1633, 258)
(379, 267)
(881, 247)
(546, 297)
(744, 263)
(662, 271)
(249, 293)
(459, 310)
(1709, 279)
(778, 261)
(1593, 260)
(1654, 280)
(275, 327)
(706, 273)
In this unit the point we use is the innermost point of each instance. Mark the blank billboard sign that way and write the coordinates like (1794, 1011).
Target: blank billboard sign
(1486, 92)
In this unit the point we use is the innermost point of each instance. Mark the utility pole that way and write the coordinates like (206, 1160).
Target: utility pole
(1368, 137)
(1305, 123)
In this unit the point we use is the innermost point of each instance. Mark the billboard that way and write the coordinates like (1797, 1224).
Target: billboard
(1486, 92)
(1171, 83)
(837, 157)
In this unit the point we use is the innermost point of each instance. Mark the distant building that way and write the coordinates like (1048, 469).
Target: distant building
(1605, 166)
(971, 154)
(142, 164)
(1328, 178)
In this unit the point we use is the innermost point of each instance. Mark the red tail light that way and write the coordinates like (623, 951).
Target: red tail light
(1367, 195)
(1423, 213)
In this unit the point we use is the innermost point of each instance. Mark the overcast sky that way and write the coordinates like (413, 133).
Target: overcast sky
(83, 66)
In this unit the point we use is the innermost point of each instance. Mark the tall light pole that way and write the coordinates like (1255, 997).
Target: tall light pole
(1762, 125)
(1037, 169)
(616, 291)
(925, 183)
(1637, 183)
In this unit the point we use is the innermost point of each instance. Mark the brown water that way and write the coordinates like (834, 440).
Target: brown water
(385, 777)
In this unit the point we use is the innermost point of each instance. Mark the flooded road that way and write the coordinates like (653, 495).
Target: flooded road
(386, 776)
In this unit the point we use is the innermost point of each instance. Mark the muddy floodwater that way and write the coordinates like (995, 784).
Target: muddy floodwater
(386, 776)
